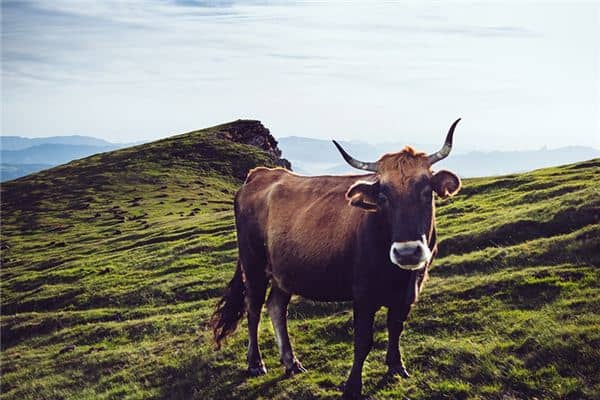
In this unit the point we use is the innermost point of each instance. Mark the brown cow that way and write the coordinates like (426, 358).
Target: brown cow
(366, 238)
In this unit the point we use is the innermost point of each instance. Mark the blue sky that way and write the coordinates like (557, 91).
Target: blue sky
(521, 74)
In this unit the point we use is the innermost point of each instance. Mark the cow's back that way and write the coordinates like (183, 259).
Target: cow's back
(304, 227)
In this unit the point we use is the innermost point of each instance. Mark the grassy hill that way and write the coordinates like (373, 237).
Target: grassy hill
(111, 266)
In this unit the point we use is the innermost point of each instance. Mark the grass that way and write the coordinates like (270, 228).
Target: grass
(111, 266)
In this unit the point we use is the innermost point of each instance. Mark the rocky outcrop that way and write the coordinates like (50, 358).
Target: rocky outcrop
(253, 133)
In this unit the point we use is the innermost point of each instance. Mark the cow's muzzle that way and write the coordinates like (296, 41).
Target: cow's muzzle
(410, 255)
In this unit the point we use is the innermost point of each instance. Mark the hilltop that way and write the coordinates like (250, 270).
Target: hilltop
(21, 156)
(111, 266)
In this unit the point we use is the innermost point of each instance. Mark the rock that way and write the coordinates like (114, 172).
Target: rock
(253, 133)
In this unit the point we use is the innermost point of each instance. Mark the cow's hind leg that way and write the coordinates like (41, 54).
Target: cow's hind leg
(256, 288)
(277, 304)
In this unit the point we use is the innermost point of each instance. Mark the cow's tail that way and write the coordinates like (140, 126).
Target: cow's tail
(230, 309)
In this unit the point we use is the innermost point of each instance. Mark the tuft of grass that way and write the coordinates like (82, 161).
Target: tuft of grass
(111, 266)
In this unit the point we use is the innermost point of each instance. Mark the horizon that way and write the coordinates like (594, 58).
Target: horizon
(520, 79)
(278, 138)
(356, 141)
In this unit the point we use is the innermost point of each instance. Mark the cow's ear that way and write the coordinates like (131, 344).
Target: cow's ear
(365, 195)
(445, 183)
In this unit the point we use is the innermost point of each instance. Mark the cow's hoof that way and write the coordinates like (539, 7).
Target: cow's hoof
(398, 370)
(296, 368)
(257, 371)
(353, 396)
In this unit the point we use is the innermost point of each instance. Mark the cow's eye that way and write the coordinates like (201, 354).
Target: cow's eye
(382, 198)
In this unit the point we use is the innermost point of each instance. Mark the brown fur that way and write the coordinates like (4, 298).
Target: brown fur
(400, 168)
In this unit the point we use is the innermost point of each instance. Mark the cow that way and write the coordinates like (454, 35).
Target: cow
(368, 238)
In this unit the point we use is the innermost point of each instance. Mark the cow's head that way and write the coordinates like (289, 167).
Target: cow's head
(402, 192)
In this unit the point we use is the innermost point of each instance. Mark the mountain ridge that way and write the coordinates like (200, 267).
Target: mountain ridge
(8, 142)
(317, 156)
(308, 155)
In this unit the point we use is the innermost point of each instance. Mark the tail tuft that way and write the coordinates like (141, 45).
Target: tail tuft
(230, 309)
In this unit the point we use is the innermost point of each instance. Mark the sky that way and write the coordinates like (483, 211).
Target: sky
(521, 74)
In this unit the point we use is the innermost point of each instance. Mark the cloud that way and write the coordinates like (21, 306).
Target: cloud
(306, 68)
(205, 3)
(486, 31)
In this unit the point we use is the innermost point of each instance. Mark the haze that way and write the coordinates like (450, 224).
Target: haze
(522, 76)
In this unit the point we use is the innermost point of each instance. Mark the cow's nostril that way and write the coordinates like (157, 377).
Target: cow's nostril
(406, 253)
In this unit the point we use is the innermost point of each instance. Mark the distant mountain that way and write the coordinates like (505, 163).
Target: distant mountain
(14, 171)
(476, 164)
(53, 154)
(318, 157)
(308, 156)
(322, 153)
(20, 143)
(20, 156)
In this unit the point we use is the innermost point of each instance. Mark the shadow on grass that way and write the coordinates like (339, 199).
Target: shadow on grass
(43, 304)
(204, 379)
(519, 231)
(302, 308)
(523, 294)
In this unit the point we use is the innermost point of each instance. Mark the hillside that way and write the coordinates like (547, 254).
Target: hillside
(111, 266)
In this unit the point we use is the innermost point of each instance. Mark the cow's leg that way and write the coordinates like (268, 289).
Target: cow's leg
(396, 317)
(256, 288)
(277, 304)
(363, 341)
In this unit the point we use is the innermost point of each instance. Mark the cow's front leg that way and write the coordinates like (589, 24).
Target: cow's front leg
(363, 341)
(396, 317)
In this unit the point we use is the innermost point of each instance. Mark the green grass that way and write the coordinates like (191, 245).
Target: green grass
(111, 266)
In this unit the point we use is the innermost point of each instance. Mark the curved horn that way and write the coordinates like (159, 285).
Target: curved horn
(445, 150)
(367, 166)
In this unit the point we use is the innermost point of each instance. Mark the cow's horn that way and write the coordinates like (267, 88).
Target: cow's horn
(445, 150)
(367, 166)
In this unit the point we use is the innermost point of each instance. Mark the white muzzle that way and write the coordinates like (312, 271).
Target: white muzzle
(410, 255)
